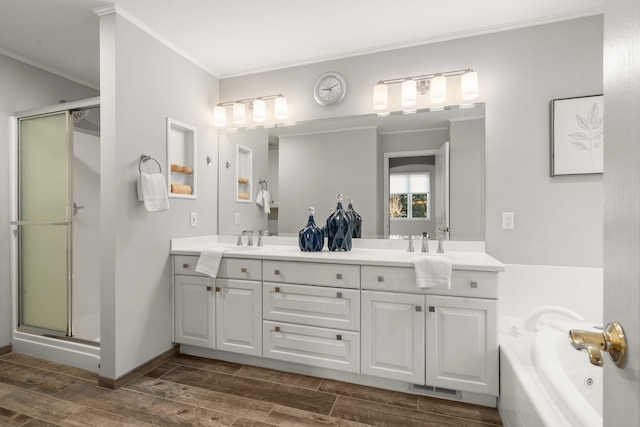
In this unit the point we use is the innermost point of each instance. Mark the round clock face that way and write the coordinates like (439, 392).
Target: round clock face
(329, 89)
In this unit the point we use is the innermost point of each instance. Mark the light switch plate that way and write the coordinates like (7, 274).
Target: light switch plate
(194, 219)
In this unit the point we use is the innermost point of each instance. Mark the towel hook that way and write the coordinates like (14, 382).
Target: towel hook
(266, 184)
(144, 158)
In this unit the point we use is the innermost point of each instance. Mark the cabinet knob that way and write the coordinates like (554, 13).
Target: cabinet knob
(217, 289)
(418, 308)
(243, 270)
(185, 265)
(277, 289)
(432, 309)
(339, 295)
(277, 328)
(339, 276)
(473, 284)
(208, 288)
(276, 272)
(380, 278)
(339, 337)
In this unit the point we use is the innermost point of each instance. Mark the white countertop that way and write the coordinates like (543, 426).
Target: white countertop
(286, 249)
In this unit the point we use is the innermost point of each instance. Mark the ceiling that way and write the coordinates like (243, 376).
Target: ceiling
(237, 37)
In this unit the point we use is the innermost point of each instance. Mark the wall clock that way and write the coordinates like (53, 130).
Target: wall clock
(329, 89)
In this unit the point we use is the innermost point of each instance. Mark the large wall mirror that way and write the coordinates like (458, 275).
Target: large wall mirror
(406, 173)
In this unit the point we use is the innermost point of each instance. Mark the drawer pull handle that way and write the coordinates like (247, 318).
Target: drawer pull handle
(418, 308)
(473, 284)
(276, 272)
(277, 289)
(380, 278)
(339, 276)
(339, 337)
(243, 270)
(185, 265)
(208, 288)
(339, 294)
(277, 328)
(217, 289)
(432, 309)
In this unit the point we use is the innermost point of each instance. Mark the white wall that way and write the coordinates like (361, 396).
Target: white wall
(558, 220)
(314, 168)
(141, 83)
(23, 87)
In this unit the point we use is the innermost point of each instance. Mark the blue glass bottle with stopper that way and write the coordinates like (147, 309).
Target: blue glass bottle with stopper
(356, 220)
(311, 238)
(339, 229)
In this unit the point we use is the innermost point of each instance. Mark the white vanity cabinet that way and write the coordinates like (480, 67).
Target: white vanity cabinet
(312, 314)
(443, 341)
(223, 313)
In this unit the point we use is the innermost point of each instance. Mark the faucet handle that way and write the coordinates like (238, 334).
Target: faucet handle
(410, 247)
(239, 242)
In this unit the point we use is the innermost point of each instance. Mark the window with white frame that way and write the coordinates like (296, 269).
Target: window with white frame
(410, 195)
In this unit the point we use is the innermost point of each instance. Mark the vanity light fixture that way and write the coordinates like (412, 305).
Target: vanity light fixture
(258, 106)
(435, 83)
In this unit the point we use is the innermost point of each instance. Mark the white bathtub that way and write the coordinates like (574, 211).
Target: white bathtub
(544, 381)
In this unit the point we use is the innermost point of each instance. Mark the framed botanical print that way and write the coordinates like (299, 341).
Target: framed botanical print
(577, 135)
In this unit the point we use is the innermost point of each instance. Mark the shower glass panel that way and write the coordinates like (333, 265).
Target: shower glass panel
(44, 224)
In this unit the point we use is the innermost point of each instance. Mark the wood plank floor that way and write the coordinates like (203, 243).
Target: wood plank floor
(191, 391)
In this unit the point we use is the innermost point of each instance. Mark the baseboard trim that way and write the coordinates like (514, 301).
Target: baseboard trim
(6, 349)
(114, 384)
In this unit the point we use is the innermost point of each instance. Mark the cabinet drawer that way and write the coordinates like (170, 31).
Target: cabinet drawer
(325, 348)
(238, 268)
(477, 284)
(306, 273)
(186, 264)
(312, 305)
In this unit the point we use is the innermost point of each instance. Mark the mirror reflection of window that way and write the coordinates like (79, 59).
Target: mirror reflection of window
(410, 195)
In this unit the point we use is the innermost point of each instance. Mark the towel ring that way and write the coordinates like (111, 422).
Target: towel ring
(266, 184)
(144, 158)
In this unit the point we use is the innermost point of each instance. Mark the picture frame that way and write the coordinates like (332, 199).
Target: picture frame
(577, 135)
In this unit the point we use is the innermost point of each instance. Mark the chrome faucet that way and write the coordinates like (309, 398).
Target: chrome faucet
(425, 242)
(260, 233)
(250, 239)
(612, 340)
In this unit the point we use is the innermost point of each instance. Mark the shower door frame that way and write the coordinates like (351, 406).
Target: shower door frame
(14, 126)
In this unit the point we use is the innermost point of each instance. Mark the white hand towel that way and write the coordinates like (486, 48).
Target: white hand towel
(209, 260)
(432, 271)
(152, 189)
(263, 200)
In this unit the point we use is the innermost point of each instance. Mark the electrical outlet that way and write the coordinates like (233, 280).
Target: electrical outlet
(237, 218)
(194, 219)
(508, 221)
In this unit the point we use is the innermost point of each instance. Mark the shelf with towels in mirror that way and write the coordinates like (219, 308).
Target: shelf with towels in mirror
(244, 170)
(181, 159)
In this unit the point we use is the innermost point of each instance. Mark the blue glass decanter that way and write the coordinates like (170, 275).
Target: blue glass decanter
(339, 229)
(311, 238)
(356, 219)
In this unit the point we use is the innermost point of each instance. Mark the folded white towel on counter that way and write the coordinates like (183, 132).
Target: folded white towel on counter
(263, 199)
(432, 271)
(209, 260)
(152, 190)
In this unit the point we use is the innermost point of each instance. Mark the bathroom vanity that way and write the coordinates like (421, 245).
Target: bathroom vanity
(357, 314)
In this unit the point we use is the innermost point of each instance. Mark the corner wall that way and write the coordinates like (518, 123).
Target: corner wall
(142, 82)
(558, 220)
(23, 87)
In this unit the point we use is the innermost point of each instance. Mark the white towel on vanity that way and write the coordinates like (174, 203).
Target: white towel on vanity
(263, 199)
(432, 271)
(209, 260)
(152, 190)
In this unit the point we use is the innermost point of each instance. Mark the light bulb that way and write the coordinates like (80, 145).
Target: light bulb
(259, 110)
(219, 116)
(239, 113)
(469, 85)
(280, 107)
(438, 89)
(408, 96)
(380, 96)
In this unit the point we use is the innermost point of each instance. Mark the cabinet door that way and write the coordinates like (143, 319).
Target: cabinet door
(194, 304)
(239, 316)
(463, 351)
(392, 329)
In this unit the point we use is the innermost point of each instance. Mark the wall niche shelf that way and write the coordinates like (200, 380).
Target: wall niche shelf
(244, 178)
(181, 159)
